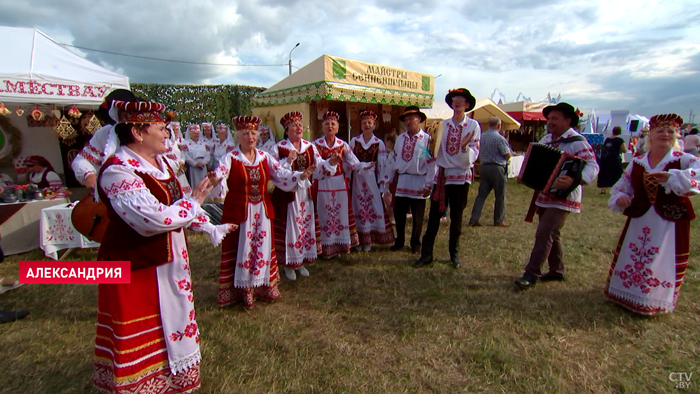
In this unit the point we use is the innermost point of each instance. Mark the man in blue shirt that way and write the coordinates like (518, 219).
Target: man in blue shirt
(495, 153)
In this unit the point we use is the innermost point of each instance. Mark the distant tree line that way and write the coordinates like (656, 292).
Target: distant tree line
(201, 103)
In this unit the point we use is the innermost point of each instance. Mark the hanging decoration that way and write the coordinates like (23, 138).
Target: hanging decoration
(3, 109)
(37, 114)
(56, 113)
(19, 111)
(89, 124)
(74, 112)
(65, 131)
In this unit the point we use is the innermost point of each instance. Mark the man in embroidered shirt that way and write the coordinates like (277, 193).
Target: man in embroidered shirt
(494, 156)
(457, 146)
(561, 119)
(413, 178)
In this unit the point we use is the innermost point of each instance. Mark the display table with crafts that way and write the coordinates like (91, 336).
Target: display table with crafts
(19, 224)
(514, 165)
(57, 231)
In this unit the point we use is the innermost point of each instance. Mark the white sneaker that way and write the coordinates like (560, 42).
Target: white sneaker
(290, 274)
(367, 248)
(303, 271)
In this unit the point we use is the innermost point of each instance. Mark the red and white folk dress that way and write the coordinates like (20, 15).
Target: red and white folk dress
(335, 215)
(649, 263)
(373, 225)
(248, 259)
(297, 231)
(147, 336)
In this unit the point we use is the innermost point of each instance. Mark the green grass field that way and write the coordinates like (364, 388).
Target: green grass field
(370, 323)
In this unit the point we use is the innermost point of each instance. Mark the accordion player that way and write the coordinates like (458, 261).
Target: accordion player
(543, 164)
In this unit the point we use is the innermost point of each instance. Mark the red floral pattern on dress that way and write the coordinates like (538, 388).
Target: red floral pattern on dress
(124, 186)
(255, 261)
(59, 230)
(306, 240)
(637, 274)
(134, 163)
(182, 214)
(677, 154)
(333, 225)
(366, 212)
(167, 221)
(186, 204)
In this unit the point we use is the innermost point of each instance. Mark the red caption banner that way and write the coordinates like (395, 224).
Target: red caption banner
(75, 272)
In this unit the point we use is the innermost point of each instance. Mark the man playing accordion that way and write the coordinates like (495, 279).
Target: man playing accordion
(552, 212)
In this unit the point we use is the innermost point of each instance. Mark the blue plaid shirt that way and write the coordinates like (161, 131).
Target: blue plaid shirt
(493, 148)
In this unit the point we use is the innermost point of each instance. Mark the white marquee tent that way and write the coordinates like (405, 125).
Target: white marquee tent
(37, 71)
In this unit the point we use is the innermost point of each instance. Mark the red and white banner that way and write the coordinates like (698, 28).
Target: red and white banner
(23, 90)
(75, 272)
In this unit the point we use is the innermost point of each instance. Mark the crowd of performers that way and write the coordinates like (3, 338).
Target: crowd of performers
(331, 197)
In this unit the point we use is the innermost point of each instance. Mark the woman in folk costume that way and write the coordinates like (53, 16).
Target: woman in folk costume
(224, 143)
(174, 153)
(41, 173)
(147, 338)
(335, 215)
(103, 143)
(267, 139)
(210, 140)
(373, 225)
(248, 259)
(297, 234)
(651, 257)
(196, 155)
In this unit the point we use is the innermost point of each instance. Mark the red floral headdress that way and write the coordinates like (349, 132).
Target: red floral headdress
(247, 123)
(331, 114)
(670, 120)
(292, 117)
(368, 114)
(140, 112)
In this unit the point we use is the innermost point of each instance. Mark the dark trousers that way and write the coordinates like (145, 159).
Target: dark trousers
(548, 242)
(456, 200)
(492, 177)
(401, 207)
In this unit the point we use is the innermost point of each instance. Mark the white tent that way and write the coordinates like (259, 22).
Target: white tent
(37, 71)
(482, 112)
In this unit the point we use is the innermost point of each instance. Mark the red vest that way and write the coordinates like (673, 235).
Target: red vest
(123, 243)
(326, 153)
(246, 185)
(670, 206)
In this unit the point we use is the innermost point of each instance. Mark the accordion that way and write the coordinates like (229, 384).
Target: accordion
(543, 164)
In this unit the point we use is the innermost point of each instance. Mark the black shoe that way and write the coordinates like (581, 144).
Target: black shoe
(552, 276)
(526, 281)
(10, 316)
(396, 247)
(424, 260)
(456, 263)
(415, 249)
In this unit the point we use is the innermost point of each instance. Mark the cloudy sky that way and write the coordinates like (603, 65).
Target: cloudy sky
(643, 56)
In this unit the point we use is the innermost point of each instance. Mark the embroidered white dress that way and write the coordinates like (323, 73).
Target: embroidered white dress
(650, 261)
(196, 152)
(373, 225)
(175, 154)
(249, 262)
(126, 319)
(335, 214)
(267, 145)
(296, 233)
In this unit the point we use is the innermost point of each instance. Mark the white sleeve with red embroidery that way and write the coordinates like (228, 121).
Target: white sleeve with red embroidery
(585, 152)
(474, 146)
(351, 161)
(684, 182)
(623, 188)
(323, 167)
(54, 180)
(221, 171)
(284, 178)
(139, 208)
(381, 164)
(202, 224)
(91, 157)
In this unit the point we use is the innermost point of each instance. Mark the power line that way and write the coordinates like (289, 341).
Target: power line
(175, 61)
